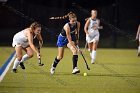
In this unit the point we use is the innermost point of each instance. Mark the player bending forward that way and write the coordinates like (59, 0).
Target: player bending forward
(68, 36)
(24, 40)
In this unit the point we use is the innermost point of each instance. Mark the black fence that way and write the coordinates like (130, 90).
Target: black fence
(118, 18)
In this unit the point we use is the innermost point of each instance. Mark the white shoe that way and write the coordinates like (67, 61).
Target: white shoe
(75, 70)
(92, 61)
(52, 70)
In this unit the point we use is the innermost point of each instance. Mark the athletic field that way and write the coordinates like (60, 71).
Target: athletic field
(115, 71)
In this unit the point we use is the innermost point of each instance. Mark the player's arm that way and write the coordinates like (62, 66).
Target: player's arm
(77, 33)
(30, 39)
(98, 24)
(86, 27)
(39, 37)
(138, 32)
(68, 34)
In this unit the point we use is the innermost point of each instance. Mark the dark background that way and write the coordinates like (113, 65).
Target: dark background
(120, 19)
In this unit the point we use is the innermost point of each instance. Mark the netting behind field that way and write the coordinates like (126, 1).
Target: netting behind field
(110, 36)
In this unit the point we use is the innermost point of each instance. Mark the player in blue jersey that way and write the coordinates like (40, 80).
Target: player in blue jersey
(69, 36)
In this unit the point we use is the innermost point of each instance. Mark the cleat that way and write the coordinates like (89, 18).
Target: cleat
(75, 70)
(14, 70)
(41, 64)
(52, 70)
(22, 65)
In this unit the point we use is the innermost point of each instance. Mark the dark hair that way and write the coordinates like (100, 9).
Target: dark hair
(94, 10)
(91, 11)
(34, 25)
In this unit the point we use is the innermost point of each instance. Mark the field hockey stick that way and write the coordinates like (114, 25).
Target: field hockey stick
(39, 59)
(83, 58)
(38, 48)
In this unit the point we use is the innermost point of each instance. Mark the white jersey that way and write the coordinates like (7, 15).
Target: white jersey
(20, 40)
(93, 34)
(91, 24)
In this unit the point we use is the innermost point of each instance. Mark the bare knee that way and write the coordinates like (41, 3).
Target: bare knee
(94, 47)
(30, 55)
(19, 58)
(74, 51)
(59, 57)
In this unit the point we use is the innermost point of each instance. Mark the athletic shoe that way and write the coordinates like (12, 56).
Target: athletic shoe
(52, 70)
(92, 61)
(22, 65)
(75, 70)
(14, 70)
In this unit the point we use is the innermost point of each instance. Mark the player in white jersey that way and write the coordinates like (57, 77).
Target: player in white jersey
(92, 34)
(138, 38)
(24, 40)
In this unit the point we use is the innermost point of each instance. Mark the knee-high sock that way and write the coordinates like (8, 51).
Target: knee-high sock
(93, 54)
(24, 58)
(75, 59)
(139, 49)
(56, 61)
(16, 63)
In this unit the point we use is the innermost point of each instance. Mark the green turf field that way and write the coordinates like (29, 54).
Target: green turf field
(115, 71)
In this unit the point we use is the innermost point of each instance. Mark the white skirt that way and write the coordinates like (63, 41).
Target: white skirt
(93, 36)
(18, 41)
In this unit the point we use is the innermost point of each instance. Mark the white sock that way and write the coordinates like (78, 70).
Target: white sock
(139, 49)
(90, 54)
(93, 55)
(16, 63)
(24, 58)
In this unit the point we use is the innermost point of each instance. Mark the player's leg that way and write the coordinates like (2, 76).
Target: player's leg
(29, 54)
(74, 58)
(95, 41)
(139, 46)
(18, 58)
(93, 54)
(57, 59)
(90, 48)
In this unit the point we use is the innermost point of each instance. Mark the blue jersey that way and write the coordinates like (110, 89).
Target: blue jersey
(62, 38)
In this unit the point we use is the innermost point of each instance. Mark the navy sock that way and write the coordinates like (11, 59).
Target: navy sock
(56, 61)
(75, 59)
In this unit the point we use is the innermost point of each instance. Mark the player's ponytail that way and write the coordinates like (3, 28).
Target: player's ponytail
(87, 18)
(68, 15)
